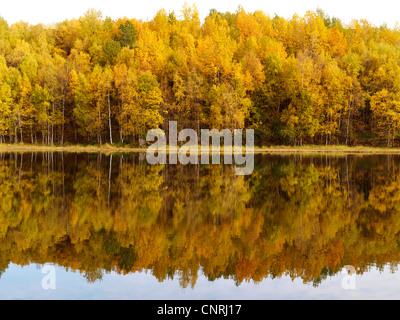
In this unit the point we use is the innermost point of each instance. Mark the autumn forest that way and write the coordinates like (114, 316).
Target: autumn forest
(93, 80)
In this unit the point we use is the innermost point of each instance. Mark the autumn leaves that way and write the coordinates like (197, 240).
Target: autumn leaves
(307, 79)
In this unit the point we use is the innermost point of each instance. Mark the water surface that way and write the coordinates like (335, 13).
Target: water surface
(115, 227)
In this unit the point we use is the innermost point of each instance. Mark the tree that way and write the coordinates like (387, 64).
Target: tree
(5, 110)
(41, 100)
(83, 112)
(127, 34)
(107, 89)
(149, 101)
(111, 49)
(386, 109)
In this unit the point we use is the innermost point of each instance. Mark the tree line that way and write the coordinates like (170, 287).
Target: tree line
(308, 79)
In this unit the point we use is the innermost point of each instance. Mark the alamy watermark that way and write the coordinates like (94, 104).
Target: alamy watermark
(349, 281)
(232, 149)
(49, 280)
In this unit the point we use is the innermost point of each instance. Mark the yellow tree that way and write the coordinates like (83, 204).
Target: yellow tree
(216, 50)
(149, 102)
(84, 116)
(302, 79)
(107, 88)
(247, 25)
(126, 93)
(28, 111)
(41, 100)
(336, 88)
(99, 86)
(385, 106)
(5, 101)
(13, 79)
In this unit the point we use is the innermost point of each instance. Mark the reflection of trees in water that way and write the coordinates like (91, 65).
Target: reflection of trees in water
(304, 217)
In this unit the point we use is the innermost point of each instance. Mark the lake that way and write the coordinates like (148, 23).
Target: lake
(96, 226)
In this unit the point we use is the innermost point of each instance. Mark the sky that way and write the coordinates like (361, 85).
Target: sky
(51, 11)
(26, 283)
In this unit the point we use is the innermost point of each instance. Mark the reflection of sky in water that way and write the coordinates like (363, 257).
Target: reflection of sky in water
(305, 216)
(25, 283)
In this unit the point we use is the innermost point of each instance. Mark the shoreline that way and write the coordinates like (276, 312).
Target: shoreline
(307, 149)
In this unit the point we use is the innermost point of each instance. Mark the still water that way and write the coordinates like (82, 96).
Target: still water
(95, 226)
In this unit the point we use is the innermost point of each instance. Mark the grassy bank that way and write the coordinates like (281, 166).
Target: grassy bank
(106, 148)
(336, 149)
